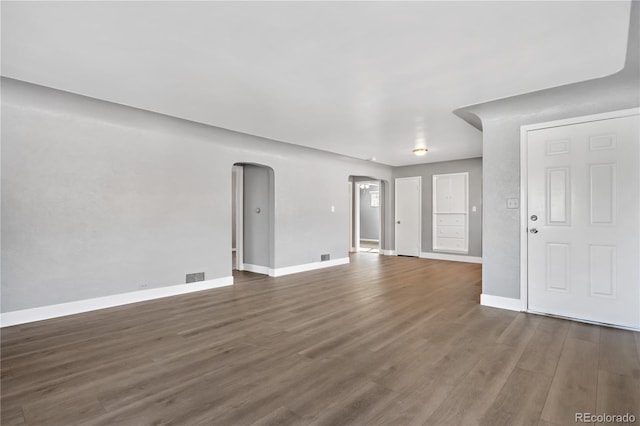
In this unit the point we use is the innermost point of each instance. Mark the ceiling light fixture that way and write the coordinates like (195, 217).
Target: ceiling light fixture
(420, 151)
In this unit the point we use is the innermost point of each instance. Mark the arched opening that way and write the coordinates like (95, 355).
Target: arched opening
(253, 218)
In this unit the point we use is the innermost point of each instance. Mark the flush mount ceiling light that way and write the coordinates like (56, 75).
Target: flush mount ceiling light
(420, 151)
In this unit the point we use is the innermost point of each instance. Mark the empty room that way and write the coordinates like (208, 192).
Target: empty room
(320, 213)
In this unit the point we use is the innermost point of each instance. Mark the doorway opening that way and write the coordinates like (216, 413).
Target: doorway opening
(366, 214)
(369, 215)
(253, 218)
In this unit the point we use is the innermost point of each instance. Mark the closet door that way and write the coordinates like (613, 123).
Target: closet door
(458, 193)
(450, 213)
(441, 193)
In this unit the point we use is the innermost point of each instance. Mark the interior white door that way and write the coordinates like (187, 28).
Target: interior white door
(584, 221)
(408, 214)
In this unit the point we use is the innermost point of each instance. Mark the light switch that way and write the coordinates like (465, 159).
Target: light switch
(474, 209)
(333, 209)
(513, 203)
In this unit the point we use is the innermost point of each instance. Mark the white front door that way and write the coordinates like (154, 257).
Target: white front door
(408, 216)
(584, 221)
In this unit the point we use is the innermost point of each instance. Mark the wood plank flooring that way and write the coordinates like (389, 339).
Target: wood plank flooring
(382, 341)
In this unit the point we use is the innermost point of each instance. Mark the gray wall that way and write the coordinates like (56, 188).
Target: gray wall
(369, 216)
(501, 121)
(258, 227)
(99, 198)
(474, 167)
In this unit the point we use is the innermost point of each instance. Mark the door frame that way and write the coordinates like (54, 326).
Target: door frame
(356, 217)
(524, 190)
(238, 171)
(352, 247)
(395, 212)
(354, 212)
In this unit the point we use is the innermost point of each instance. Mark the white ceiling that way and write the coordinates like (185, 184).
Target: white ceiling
(360, 79)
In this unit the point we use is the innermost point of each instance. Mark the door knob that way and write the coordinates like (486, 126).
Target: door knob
(533, 230)
(398, 222)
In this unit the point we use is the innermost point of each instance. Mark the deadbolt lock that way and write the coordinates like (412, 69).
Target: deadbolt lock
(534, 217)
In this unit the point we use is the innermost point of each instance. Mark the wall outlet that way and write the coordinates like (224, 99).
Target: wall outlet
(143, 286)
(325, 257)
(513, 203)
(195, 277)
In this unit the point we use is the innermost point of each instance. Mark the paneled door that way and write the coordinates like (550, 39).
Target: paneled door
(408, 216)
(584, 221)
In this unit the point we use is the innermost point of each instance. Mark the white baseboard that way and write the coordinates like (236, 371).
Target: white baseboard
(278, 272)
(501, 302)
(388, 252)
(369, 240)
(452, 257)
(256, 268)
(70, 308)
(287, 270)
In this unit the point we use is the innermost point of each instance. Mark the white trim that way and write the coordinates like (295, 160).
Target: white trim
(500, 302)
(452, 257)
(369, 240)
(238, 170)
(351, 235)
(287, 270)
(380, 208)
(582, 119)
(70, 308)
(524, 182)
(278, 272)
(524, 229)
(395, 211)
(356, 217)
(258, 269)
(388, 252)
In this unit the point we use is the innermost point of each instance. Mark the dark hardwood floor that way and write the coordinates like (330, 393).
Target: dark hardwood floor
(382, 341)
